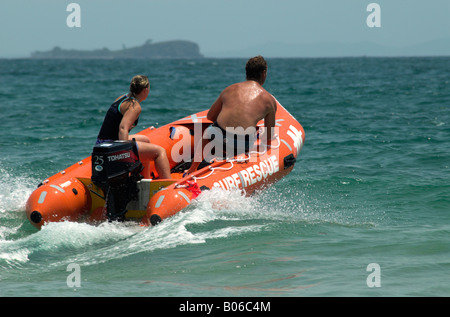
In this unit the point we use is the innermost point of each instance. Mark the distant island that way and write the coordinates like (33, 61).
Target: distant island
(149, 50)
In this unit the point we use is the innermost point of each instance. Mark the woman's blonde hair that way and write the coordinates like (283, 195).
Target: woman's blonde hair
(138, 83)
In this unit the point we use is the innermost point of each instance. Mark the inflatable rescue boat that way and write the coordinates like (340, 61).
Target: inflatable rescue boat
(113, 184)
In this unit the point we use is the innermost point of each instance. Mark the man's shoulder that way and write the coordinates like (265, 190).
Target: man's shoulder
(233, 88)
(238, 85)
(269, 97)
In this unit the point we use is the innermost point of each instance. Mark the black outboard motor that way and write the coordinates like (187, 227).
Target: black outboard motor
(115, 169)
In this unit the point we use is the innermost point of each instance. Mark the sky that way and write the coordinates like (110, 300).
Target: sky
(229, 28)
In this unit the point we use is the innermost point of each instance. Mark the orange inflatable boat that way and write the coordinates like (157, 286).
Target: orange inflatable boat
(113, 184)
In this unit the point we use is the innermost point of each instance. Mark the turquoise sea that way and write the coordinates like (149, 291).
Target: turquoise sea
(365, 212)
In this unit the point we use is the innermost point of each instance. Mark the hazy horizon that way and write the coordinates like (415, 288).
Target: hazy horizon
(232, 28)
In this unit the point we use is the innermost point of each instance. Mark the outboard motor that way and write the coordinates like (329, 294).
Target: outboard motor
(115, 169)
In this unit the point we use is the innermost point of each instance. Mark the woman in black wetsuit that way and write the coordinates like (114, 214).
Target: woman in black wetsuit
(123, 115)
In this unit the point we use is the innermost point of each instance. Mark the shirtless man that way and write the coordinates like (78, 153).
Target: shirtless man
(241, 106)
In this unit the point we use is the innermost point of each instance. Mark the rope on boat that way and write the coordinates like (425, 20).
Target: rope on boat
(237, 160)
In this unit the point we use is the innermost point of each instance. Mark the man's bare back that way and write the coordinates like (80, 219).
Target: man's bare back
(243, 105)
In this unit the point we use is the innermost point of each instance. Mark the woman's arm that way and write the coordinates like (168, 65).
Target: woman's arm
(129, 117)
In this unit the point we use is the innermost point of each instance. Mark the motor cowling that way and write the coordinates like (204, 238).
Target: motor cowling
(116, 170)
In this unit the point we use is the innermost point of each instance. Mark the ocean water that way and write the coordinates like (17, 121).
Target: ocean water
(365, 212)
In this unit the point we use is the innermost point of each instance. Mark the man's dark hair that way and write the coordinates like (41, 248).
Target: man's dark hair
(255, 67)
